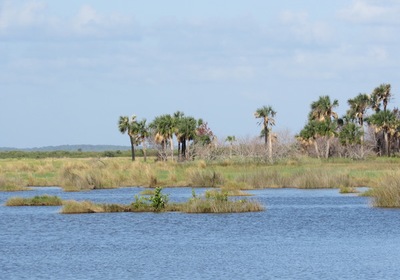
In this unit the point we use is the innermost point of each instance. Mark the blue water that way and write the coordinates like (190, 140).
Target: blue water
(303, 234)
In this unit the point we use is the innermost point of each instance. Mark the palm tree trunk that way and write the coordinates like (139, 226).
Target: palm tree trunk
(387, 148)
(172, 148)
(265, 134)
(269, 146)
(316, 148)
(132, 148)
(144, 150)
(183, 147)
(328, 146)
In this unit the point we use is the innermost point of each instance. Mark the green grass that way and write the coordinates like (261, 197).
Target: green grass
(44, 200)
(78, 174)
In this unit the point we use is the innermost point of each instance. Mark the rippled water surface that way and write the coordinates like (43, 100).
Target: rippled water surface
(303, 234)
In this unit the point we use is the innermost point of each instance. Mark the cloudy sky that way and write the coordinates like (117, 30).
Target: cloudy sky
(69, 69)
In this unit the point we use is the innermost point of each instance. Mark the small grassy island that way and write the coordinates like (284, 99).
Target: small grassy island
(212, 202)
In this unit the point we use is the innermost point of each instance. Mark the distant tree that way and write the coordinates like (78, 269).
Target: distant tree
(163, 129)
(322, 109)
(267, 114)
(231, 139)
(129, 126)
(386, 122)
(186, 128)
(143, 134)
(358, 108)
(381, 94)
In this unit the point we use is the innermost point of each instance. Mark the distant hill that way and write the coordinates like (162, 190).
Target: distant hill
(71, 148)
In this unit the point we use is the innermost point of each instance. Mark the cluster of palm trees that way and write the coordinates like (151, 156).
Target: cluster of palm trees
(324, 124)
(162, 130)
(322, 128)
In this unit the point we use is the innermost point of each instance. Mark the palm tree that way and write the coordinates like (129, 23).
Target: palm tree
(186, 131)
(178, 115)
(267, 114)
(129, 126)
(164, 128)
(387, 122)
(358, 108)
(231, 139)
(309, 134)
(381, 94)
(143, 134)
(322, 109)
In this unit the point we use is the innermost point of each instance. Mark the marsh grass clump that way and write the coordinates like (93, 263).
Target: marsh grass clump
(218, 202)
(346, 189)
(80, 207)
(88, 175)
(43, 200)
(387, 193)
(264, 178)
(320, 179)
(204, 178)
(12, 184)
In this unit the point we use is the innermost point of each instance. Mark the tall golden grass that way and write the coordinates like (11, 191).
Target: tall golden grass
(387, 193)
(92, 173)
(43, 200)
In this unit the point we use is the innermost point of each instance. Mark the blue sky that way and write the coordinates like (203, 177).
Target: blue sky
(69, 69)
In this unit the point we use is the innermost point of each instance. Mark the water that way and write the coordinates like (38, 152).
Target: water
(303, 234)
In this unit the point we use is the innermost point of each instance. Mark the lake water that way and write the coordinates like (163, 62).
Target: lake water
(303, 234)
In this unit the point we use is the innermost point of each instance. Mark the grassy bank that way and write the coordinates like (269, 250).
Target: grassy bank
(43, 200)
(387, 194)
(98, 173)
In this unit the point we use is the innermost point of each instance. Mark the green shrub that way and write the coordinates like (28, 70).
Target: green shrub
(158, 200)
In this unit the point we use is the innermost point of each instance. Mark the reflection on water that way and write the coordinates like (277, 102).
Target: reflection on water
(303, 234)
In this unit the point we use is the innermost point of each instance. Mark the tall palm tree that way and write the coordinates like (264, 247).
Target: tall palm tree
(164, 128)
(309, 134)
(186, 131)
(267, 114)
(129, 126)
(381, 94)
(178, 115)
(322, 109)
(143, 134)
(387, 122)
(358, 107)
(231, 139)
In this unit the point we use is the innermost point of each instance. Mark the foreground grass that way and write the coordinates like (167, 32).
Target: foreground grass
(44, 200)
(387, 194)
(99, 173)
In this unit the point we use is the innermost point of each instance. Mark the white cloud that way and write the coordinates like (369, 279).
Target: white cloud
(27, 15)
(371, 11)
(89, 22)
(304, 29)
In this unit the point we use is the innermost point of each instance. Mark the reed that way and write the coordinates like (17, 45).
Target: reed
(43, 200)
(218, 202)
(387, 193)
(322, 179)
(204, 178)
(12, 184)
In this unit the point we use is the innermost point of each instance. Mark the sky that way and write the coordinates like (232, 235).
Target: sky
(69, 69)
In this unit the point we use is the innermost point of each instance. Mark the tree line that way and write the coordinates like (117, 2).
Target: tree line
(368, 127)
(160, 133)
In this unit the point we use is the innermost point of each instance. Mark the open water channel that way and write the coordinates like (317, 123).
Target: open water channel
(303, 234)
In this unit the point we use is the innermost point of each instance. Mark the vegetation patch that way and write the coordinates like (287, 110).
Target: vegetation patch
(204, 178)
(218, 202)
(11, 184)
(387, 193)
(43, 200)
